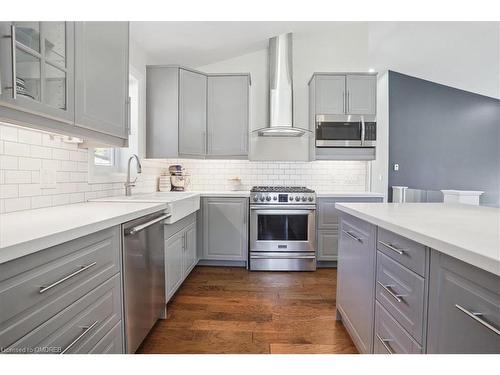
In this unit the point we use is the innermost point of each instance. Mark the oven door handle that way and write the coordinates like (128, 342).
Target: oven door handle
(363, 131)
(282, 257)
(295, 207)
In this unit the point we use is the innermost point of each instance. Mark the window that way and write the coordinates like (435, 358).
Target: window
(110, 164)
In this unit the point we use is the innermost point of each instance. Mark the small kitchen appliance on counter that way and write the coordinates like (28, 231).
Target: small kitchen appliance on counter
(179, 179)
(282, 228)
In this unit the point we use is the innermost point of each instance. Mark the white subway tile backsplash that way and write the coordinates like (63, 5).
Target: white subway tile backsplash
(29, 190)
(9, 162)
(60, 154)
(41, 201)
(29, 164)
(17, 177)
(16, 149)
(17, 204)
(9, 191)
(29, 136)
(40, 152)
(8, 133)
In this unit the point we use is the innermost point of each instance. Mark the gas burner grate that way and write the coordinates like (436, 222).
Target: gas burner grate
(281, 189)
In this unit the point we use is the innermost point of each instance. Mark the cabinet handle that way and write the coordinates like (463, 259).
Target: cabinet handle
(388, 289)
(43, 289)
(13, 55)
(384, 342)
(392, 247)
(347, 102)
(355, 238)
(344, 99)
(86, 329)
(477, 317)
(138, 228)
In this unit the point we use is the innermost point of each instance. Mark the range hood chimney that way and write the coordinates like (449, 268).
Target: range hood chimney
(281, 90)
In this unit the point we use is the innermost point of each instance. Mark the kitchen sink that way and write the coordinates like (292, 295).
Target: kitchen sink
(180, 204)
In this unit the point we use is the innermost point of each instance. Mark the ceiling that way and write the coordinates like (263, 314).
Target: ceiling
(200, 43)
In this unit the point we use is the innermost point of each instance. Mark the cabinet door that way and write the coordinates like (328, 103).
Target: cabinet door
(361, 94)
(464, 308)
(225, 230)
(101, 71)
(192, 113)
(190, 255)
(328, 215)
(37, 68)
(174, 254)
(330, 94)
(328, 245)
(356, 280)
(227, 120)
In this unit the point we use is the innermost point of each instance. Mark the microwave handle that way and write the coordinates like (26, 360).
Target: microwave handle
(363, 130)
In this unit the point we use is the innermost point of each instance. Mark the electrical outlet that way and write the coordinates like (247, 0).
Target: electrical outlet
(48, 178)
(396, 167)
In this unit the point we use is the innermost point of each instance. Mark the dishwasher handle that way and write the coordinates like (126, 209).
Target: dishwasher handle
(138, 228)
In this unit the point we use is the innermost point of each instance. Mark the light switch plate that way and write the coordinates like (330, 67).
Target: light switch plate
(396, 167)
(48, 178)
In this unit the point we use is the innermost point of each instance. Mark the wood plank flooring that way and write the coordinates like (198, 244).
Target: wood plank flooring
(232, 310)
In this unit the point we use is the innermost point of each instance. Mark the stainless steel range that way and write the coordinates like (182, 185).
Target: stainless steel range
(282, 228)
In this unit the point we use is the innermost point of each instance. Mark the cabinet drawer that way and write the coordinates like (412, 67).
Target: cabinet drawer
(111, 343)
(390, 337)
(79, 327)
(36, 287)
(328, 215)
(464, 308)
(407, 252)
(401, 292)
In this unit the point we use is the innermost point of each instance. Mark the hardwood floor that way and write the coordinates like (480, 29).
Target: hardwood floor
(232, 310)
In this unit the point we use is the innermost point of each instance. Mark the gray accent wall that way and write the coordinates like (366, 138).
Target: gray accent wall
(443, 138)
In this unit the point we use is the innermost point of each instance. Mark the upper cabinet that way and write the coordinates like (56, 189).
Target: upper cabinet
(228, 115)
(337, 94)
(37, 68)
(196, 115)
(101, 71)
(192, 113)
(55, 75)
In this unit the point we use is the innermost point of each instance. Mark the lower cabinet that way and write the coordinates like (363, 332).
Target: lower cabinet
(328, 246)
(224, 228)
(64, 299)
(180, 253)
(356, 280)
(464, 308)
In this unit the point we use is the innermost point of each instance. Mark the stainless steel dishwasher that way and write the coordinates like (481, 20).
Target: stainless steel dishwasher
(143, 277)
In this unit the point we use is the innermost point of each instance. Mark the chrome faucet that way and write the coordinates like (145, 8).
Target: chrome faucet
(128, 183)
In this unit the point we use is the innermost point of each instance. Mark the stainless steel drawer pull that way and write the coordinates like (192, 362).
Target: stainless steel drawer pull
(138, 228)
(43, 289)
(86, 330)
(477, 318)
(355, 238)
(388, 289)
(392, 247)
(384, 342)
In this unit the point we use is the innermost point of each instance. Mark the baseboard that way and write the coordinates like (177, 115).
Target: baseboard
(326, 264)
(222, 263)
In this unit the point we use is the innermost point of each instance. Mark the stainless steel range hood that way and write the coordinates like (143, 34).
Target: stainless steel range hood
(281, 90)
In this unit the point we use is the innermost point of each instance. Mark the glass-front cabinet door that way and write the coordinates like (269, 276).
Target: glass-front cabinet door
(37, 66)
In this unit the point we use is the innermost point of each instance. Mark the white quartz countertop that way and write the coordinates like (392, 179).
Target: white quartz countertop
(224, 193)
(26, 232)
(466, 232)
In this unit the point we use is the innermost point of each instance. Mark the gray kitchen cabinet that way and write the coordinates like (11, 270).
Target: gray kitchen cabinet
(327, 245)
(48, 296)
(356, 280)
(464, 308)
(228, 115)
(361, 94)
(174, 252)
(330, 94)
(192, 113)
(180, 252)
(101, 76)
(328, 218)
(224, 229)
(37, 69)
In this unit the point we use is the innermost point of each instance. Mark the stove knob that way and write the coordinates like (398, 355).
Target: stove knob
(268, 198)
(304, 199)
(310, 199)
(290, 198)
(275, 198)
(255, 198)
(261, 198)
(297, 198)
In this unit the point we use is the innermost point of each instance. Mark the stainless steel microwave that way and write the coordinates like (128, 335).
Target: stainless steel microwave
(346, 131)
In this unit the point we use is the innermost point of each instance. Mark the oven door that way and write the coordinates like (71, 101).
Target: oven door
(282, 229)
(339, 131)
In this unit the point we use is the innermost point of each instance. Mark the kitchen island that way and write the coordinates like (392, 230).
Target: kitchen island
(412, 278)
